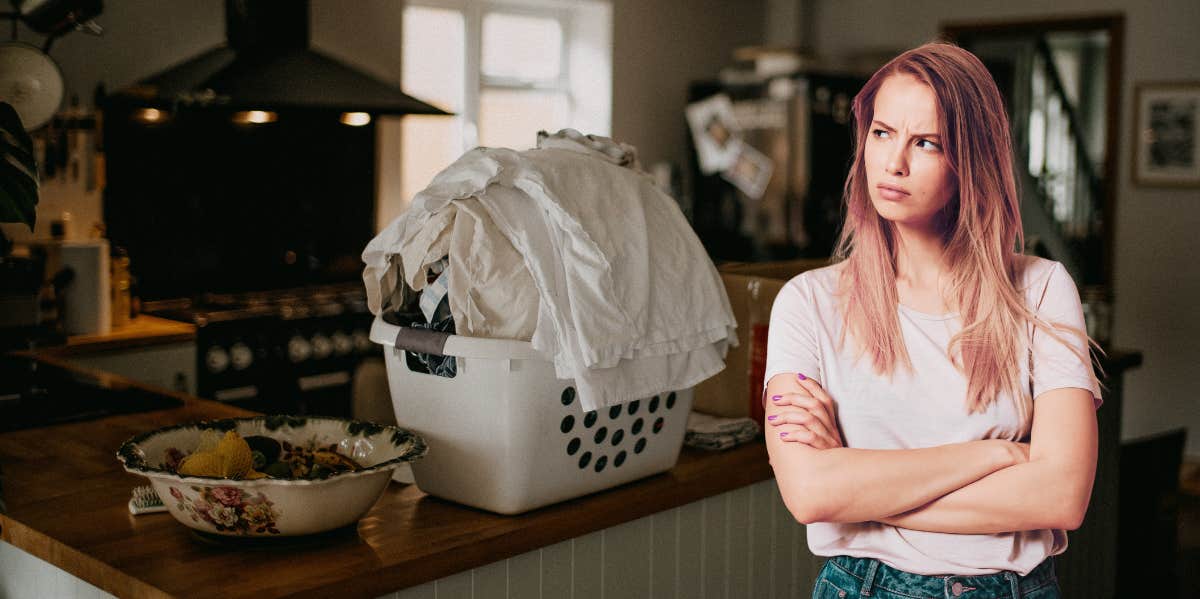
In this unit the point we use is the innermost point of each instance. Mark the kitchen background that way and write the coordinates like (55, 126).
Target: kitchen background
(657, 49)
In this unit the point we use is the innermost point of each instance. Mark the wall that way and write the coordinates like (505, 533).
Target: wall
(1157, 278)
(660, 46)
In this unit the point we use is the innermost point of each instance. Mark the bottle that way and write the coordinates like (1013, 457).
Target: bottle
(120, 287)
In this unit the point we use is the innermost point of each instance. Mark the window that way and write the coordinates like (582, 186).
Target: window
(507, 69)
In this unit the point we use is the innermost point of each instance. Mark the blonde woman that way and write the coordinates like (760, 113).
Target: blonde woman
(930, 398)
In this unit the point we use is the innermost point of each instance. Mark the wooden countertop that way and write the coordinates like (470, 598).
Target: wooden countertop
(145, 330)
(67, 495)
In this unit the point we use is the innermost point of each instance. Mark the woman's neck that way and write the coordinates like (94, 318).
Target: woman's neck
(920, 258)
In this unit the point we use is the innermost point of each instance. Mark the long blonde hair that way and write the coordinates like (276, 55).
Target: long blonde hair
(981, 233)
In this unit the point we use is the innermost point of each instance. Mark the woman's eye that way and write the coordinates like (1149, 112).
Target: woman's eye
(878, 133)
(931, 146)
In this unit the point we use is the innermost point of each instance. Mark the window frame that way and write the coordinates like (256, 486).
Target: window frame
(475, 81)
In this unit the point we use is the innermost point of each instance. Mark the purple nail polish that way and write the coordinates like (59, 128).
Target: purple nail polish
(800, 376)
(772, 417)
(776, 397)
(782, 434)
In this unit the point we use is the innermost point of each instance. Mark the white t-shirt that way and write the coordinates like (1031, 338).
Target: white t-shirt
(923, 409)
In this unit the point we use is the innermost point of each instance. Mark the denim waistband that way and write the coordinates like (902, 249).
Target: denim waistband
(874, 573)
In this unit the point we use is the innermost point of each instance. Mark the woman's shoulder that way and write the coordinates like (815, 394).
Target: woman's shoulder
(1033, 272)
(821, 280)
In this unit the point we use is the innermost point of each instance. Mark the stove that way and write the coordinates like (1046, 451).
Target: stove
(288, 351)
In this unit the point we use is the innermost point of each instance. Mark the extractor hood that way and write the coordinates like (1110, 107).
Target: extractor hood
(266, 64)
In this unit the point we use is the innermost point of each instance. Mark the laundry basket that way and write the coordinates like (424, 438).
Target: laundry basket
(507, 436)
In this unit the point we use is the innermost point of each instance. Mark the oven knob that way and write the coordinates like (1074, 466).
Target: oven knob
(298, 349)
(321, 346)
(241, 356)
(362, 342)
(216, 359)
(342, 343)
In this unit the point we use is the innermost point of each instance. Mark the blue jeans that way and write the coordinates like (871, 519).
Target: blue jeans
(845, 577)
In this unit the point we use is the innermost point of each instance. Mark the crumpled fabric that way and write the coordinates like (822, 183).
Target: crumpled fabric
(628, 303)
(714, 433)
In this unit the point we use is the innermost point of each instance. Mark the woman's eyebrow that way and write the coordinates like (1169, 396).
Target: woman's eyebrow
(890, 128)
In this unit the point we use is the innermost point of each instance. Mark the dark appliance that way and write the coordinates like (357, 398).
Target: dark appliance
(242, 184)
(34, 394)
(806, 131)
(266, 64)
(283, 351)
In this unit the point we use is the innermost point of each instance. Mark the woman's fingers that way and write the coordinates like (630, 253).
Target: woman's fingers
(818, 392)
(799, 433)
(806, 422)
(818, 409)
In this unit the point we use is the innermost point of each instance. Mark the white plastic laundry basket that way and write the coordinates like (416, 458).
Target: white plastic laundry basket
(506, 436)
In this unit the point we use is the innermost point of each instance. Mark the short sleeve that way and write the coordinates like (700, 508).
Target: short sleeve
(791, 335)
(1055, 364)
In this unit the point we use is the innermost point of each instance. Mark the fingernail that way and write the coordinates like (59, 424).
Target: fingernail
(771, 417)
(801, 376)
(776, 397)
(782, 434)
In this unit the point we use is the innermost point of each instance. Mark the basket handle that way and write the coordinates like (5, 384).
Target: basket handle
(425, 341)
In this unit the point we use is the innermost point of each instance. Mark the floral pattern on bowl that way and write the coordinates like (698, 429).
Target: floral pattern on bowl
(229, 509)
(273, 507)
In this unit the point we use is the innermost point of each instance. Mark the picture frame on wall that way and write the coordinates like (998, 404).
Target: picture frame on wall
(1167, 134)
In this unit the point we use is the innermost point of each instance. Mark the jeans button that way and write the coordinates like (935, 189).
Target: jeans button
(957, 588)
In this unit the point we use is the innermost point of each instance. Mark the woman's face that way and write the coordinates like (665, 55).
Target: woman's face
(908, 177)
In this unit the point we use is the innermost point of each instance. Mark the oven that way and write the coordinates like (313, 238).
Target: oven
(290, 351)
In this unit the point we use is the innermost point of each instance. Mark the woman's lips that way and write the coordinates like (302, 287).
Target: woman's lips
(889, 192)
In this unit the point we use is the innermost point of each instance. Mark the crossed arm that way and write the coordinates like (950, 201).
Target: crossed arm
(977, 487)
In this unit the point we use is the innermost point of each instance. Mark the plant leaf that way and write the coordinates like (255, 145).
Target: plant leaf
(18, 171)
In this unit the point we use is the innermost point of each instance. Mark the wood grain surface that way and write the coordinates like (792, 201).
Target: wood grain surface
(67, 495)
(145, 330)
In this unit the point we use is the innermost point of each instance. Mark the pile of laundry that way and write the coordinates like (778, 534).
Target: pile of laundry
(569, 246)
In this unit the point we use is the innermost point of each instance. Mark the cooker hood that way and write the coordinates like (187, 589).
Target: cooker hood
(266, 64)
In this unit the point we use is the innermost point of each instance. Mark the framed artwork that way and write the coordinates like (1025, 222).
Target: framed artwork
(1167, 134)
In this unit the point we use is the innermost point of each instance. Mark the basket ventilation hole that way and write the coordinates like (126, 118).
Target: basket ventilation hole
(568, 423)
(573, 446)
(568, 396)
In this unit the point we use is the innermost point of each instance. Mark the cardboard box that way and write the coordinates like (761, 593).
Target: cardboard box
(736, 391)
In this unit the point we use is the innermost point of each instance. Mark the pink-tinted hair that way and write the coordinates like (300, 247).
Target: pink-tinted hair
(981, 228)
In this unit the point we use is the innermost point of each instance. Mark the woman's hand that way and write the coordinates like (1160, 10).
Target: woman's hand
(808, 417)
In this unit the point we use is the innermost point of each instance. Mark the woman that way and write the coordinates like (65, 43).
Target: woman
(930, 396)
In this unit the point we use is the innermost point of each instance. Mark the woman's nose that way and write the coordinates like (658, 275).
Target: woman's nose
(896, 164)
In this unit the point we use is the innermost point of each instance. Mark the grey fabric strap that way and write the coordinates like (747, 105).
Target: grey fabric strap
(423, 341)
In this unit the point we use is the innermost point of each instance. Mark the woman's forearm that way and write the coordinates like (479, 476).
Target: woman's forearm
(857, 485)
(1029, 496)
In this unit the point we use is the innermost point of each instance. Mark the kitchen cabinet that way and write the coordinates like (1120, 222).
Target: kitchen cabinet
(150, 350)
(170, 366)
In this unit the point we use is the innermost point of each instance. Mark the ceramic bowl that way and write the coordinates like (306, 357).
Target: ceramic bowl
(270, 507)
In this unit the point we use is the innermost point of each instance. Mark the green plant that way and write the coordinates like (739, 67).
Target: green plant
(18, 171)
